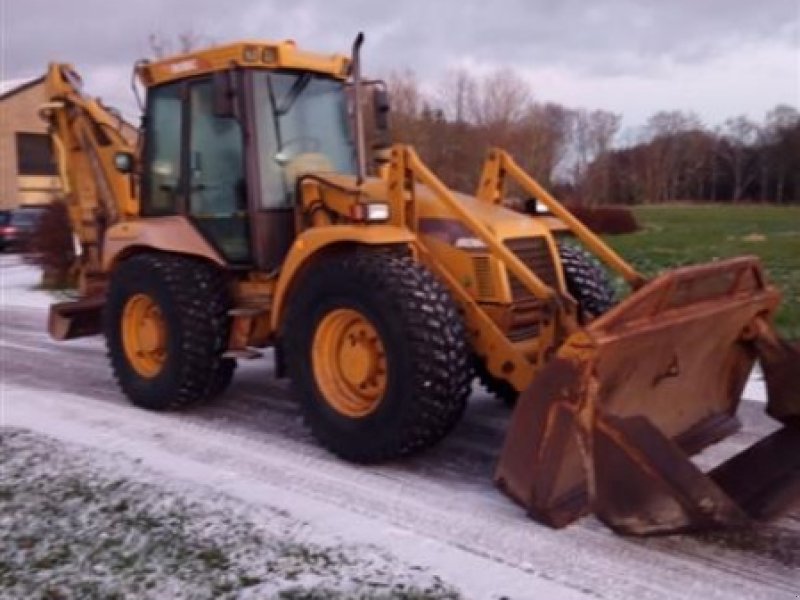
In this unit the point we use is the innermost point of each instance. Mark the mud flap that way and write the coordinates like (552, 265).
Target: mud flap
(609, 425)
(76, 318)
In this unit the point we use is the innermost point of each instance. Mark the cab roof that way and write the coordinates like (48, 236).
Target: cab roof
(250, 54)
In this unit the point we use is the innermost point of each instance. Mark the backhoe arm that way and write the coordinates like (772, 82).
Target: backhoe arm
(88, 140)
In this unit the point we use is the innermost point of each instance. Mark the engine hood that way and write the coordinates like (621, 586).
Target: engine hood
(503, 222)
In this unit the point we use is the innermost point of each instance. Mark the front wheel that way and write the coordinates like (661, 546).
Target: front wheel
(586, 280)
(166, 326)
(377, 354)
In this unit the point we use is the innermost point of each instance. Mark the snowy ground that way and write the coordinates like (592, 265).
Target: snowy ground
(438, 511)
(82, 524)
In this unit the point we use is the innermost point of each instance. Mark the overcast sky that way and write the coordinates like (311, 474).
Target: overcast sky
(719, 58)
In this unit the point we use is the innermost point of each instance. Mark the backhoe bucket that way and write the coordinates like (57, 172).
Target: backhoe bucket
(609, 425)
(76, 318)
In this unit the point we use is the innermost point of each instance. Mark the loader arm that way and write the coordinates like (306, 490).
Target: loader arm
(499, 164)
(88, 141)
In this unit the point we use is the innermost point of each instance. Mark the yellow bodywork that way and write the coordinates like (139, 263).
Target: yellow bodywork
(517, 315)
(252, 54)
(501, 267)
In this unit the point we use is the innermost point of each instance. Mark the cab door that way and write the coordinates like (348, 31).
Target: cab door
(216, 184)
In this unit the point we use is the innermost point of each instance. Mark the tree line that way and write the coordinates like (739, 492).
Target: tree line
(583, 155)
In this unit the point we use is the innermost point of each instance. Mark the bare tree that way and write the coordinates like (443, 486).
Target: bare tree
(502, 99)
(548, 128)
(777, 155)
(456, 94)
(594, 133)
(738, 134)
(672, 154)
(162, 45)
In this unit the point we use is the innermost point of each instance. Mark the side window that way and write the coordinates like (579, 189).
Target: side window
(163, 163)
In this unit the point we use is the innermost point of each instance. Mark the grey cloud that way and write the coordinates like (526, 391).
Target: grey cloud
(599, 38)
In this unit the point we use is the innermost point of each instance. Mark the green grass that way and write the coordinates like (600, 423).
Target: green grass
(685, 234)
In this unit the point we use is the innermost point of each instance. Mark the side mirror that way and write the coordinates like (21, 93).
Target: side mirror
(123, 162)
(380, 103)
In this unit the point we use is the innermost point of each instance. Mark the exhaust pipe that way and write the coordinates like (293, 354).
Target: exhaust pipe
(358, 123)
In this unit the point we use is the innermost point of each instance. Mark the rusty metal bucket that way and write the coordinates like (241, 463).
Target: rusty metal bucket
(609, 425)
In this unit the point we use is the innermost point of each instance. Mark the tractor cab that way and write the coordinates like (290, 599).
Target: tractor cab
(226, 147)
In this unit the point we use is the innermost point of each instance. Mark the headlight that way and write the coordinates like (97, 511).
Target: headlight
(469, 243)
(377, 212)
(374, 211)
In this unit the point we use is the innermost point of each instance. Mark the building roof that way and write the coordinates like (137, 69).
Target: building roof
(9, 87)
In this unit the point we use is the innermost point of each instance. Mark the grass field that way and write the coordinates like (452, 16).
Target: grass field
(685, 234)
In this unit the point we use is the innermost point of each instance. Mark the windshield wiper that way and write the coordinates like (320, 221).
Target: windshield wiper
(294, 92)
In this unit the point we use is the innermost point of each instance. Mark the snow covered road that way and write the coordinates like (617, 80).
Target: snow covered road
(439, 510)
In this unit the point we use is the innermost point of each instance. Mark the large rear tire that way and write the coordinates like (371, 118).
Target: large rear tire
(378, 355)
(166, 325)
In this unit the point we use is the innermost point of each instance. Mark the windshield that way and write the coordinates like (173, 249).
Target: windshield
(302, 126)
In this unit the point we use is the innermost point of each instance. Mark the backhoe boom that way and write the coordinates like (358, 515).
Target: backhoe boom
(89, 146)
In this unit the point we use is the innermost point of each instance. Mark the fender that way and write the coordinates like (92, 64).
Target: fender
(312, 242)
(170, 234)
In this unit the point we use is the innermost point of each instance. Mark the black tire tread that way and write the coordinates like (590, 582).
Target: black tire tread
(587, 282)
(499, 388)
(442, 370)
(200, 295)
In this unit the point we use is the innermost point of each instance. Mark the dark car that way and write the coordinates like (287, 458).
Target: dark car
(21, 224)
(5, 217)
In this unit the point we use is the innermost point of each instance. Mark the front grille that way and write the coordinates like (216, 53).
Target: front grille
(526, 310)
(483, 276)
(534, 254)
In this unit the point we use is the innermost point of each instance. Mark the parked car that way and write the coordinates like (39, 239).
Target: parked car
(5, 217)
(22, 222)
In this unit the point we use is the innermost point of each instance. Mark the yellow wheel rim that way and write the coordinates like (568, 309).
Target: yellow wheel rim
(144, 335)
(349, 362)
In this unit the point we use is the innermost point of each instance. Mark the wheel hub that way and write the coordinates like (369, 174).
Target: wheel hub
(144, 335)
(349, 362)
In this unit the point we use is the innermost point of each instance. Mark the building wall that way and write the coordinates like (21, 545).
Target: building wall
(19, 113)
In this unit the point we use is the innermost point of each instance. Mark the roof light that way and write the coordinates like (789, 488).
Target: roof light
(250, 54)
(270, 55)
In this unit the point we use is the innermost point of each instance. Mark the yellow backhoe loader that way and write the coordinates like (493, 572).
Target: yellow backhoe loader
(245, 218)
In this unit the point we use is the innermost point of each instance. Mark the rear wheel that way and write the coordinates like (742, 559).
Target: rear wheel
(378, 355)
(166, 325)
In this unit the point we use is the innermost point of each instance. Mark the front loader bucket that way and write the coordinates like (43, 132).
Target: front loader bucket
(76, 318)
(609, 425)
